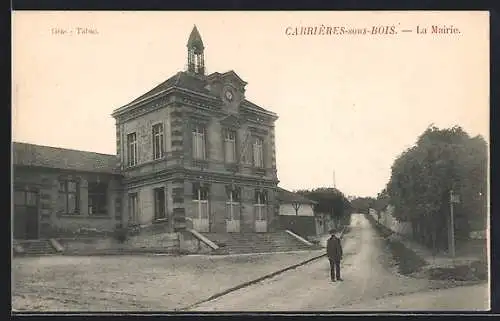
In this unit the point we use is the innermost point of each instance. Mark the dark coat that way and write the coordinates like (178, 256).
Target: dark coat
(334, 248)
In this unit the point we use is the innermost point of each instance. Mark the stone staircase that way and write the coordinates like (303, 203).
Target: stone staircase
(239, 243)
(33, 247)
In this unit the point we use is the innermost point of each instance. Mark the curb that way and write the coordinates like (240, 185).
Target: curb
(243, 285)
(256, 253)
(155, 253)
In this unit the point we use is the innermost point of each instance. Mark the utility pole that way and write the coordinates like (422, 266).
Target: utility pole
(334, 183)
(453, 199)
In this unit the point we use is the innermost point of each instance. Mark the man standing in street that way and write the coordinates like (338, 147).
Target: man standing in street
(334, 253)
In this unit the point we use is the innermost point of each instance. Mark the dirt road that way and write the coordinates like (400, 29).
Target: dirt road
(367, 279)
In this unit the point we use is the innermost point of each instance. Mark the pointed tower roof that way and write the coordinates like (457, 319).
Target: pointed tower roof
(195, 39)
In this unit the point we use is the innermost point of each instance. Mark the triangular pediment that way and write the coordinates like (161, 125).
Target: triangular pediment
(233, 77)
(231, 121)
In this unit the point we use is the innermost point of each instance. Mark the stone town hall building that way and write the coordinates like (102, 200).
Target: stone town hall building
(191, 153)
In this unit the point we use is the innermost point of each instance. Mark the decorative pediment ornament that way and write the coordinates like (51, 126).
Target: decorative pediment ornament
(258, 130)
(234, 78)
(231, 121)
(197, 118)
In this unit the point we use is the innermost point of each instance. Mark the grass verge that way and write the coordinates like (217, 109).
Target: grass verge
(407, 261)
(410, 264)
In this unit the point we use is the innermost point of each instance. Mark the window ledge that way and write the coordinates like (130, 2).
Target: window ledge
(84, 216)
(198, 162)
(99, 216)
(70, 215)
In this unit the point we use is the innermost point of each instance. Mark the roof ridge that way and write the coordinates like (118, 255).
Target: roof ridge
(61, 148)
(178, 78)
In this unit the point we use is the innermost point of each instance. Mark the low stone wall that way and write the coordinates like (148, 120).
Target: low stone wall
(161, 240)
(178, 243)
(80, 244)
(164, 243)
(301, 225)
(190, 244)
(389, 221)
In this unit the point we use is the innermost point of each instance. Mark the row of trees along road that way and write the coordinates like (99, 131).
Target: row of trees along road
(331, 201)
(423, 176)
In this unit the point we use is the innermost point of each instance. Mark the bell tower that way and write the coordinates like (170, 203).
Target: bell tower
(196, 59)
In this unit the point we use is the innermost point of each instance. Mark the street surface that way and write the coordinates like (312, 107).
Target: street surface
(135, 282)
(464, 298)
(369, 283)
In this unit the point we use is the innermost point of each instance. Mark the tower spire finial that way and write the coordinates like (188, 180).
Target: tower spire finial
(196, 60)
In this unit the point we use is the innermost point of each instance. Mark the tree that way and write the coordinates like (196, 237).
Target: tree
(382, 201)
(362, 204)
(332, 201)
(423, 175)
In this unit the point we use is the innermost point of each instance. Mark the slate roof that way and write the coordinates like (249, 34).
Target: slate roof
(188, 81)
(288, 197)
(181, 80)
(24, 154)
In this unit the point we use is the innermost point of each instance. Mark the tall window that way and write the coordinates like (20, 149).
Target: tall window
(132, 149)
(230, 146)
(200, 198)
(158, 141)
(232, 203)
(246, 151)
(199, 142)
(260, 205)
(98, 198)
(159, 197)
(258, 156)
(133, 204)
(68, 197)
(25, 198)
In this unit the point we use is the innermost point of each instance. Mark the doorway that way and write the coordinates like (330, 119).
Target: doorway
(26, 218)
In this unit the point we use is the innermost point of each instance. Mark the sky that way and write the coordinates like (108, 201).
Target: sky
(348, 105)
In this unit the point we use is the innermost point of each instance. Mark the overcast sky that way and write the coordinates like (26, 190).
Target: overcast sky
(346, 103)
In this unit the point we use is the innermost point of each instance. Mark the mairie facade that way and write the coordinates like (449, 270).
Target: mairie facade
(191, 153)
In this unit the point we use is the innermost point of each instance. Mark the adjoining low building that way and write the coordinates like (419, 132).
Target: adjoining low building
(296, 213)
(59, 192)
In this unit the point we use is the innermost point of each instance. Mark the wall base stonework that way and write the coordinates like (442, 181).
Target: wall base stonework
(301, 225)
(190, 244)
(181, 242)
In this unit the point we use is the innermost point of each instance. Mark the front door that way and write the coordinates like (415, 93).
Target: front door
(260, 218)
(25, 214)
(232, 217)
(201, 218)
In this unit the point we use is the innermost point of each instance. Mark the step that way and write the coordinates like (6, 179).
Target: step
(232, 243)
(36, 247)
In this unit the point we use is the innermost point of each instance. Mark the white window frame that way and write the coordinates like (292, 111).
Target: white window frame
(132, 149)
(231, 206)
(258, 152)
(133, 214)
(64, 194)
(156, 203)
(199, 142)
(260, 206)
(230, 144)
(158, 147)
(201, 203)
